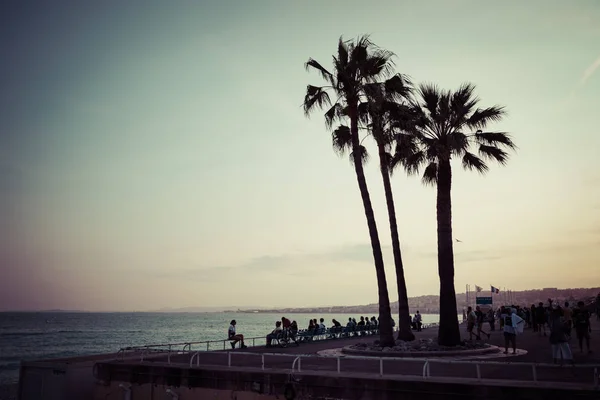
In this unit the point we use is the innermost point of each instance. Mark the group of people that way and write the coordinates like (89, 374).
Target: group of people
(559, 321)
(511, 324)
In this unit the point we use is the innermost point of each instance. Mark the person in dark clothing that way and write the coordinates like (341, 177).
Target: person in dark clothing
(583, 327)
(491, 319)
(540, 318)
(479, 315)
(533, 318)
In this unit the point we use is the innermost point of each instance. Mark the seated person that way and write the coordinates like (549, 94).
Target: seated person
(294, 327)
(373, 321)
(367, 323)
(350, 325)
(233, 337)
(335, 323)
(322, 327)
(311, 326)
(274, 333)
(285, 322)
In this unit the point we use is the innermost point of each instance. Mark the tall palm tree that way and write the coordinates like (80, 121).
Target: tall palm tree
(356, 64)
(448, 125)
(383, 106)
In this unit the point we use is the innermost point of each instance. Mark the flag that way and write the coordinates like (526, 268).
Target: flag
(495, 290)
(478, 288)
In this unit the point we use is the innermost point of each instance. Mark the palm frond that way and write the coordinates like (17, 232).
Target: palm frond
(359, 51)
(315, 97)
(398, 87)
(377, 66)
(493, 153)
(458, 143)
(462, 102)
(342, 56)
(363, 155)
(430, 174)
(335, 113)
(374, 93)
(471, 162)
(341, 139)
(363, 111)
(444, 117)
(482, 117)
(411, 162)
(312, 63)
(494, 139)
(430, 94)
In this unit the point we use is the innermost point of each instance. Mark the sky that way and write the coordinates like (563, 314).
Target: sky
(155, 154)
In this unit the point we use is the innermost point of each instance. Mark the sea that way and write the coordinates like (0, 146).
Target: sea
(27, 336)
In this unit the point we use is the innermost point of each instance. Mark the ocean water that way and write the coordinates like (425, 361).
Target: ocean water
(37, 336)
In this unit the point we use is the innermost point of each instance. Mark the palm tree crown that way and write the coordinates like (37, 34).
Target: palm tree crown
(356, 64)
(439, 133)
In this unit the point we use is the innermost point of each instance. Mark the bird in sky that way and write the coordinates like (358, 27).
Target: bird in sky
(459, 241)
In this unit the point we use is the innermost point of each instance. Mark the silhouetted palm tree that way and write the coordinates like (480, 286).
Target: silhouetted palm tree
(385, 106)
(356, 63)
(443, 127)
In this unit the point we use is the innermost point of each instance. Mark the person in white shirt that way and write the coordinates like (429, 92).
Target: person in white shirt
(274, 333)
(234, 337)
(513, 325)
(322, 326)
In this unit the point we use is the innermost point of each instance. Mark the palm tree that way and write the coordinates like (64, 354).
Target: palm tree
(448, 125)
(383, 106)
(356, 64)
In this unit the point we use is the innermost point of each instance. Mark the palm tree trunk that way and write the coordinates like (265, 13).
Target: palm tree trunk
(386, 331)
(449, 332)
(404, 322)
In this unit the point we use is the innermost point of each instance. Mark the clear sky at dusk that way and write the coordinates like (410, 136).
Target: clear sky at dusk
(155, 154)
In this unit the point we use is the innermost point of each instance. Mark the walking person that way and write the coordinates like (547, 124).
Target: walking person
(558, 339)
(471, 319)
(491, 319)
(583, 327)
(533, 318)
(480, 317)
(568, 317)
(540, 318)
(513, 325)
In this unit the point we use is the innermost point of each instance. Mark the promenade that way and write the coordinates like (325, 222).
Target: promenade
(512, 369)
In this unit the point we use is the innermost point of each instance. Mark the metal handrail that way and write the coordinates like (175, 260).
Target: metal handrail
(187, 346)
(426, 374)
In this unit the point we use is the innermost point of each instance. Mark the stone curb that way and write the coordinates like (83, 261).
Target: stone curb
(411, 354)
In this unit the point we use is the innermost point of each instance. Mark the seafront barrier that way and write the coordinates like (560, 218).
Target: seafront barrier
(300, 372)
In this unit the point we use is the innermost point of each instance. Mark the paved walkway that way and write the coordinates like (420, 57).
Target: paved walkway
(538, 351)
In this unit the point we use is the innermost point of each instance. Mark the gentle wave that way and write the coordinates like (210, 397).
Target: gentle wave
(29, 333)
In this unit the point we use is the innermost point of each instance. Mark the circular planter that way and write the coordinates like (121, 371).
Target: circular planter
(421, 353)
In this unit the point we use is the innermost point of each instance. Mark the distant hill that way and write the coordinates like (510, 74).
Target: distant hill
(430, 304)
(204, 309)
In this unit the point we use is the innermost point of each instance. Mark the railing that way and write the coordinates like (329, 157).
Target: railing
(186, 347)
(296, 366)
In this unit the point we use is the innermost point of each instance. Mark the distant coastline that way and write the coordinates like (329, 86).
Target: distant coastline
(425, 304)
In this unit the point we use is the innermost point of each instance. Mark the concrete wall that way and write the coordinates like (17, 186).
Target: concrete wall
(149, 391)
(151, 380)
